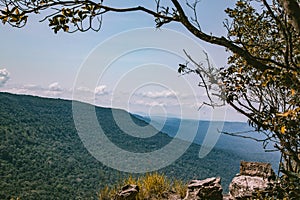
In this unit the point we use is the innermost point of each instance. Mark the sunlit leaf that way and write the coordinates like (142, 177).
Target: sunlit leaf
(283, 129)
(66, 28)
(293, 92)
(285, 114)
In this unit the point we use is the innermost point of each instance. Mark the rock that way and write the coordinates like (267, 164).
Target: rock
(242, 186)
(253, 176)
(171, 195)
(226, 197)
(128, 192)
(259, 169)
(209, 188)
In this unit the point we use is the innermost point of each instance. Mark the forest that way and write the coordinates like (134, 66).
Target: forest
(42, 156)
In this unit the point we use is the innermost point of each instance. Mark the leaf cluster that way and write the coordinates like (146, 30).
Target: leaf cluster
(268, 96)
(72, 16)
(13, 16)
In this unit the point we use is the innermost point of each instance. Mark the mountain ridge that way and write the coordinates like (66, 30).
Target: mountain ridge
(42, 156)
(247, 148)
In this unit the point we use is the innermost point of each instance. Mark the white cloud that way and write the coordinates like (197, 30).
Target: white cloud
(33, 87)
(17, 90)
(147, 103)
(101, 90)
(159, 94)
(83, 89)
(4, 76)
(55, 87)
(52, 90)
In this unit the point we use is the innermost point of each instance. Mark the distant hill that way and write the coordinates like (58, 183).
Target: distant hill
(246, 148)
(42, 156)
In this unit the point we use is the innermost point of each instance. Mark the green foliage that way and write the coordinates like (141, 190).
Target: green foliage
(263, 77)
(42, 156)
(72, 16)
(268, 95)
(77, 14)
(14, 16)
(281, 188)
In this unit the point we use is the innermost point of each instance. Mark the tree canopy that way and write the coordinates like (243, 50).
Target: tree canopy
(262, 78)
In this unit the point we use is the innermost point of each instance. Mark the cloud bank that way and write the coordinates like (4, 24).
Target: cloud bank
(159, 94)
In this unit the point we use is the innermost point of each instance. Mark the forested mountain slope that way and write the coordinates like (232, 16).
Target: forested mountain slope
(42, 156)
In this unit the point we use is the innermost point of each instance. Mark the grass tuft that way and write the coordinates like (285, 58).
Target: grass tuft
(152, 186)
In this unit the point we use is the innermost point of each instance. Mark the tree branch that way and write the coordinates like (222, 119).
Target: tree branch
(221, 41)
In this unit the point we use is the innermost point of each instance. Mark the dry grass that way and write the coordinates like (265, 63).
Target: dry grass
(152, 186)
(180, 188)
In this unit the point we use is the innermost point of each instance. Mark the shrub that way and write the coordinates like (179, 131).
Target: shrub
(152, 186)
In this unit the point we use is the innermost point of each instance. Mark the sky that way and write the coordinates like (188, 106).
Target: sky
(128, 64)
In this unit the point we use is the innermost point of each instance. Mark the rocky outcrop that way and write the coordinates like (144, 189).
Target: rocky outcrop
(209, 188)
(253, 177)
(259, 169)
(128, 192)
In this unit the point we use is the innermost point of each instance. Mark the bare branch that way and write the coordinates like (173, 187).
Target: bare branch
(193, 7)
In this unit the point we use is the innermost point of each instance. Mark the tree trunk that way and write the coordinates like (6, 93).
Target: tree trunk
(292, 8)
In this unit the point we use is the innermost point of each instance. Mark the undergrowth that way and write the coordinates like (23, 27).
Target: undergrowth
(152, 186)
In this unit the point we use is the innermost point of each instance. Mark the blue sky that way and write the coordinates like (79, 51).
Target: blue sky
(36, 61)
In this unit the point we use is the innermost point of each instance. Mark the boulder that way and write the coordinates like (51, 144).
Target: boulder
(253, 177)
(128, 192)
(242, 187)
(209, 188)
(259, 169)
